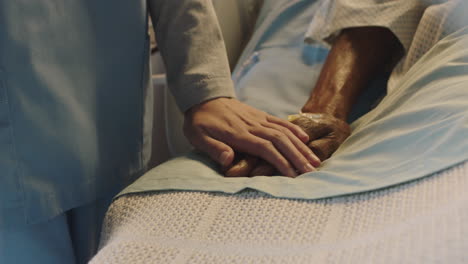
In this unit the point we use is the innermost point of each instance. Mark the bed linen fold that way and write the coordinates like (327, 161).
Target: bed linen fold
(418, 129)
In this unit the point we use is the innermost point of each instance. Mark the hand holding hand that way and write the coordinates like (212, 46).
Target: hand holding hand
(326, 133)
(220, 126)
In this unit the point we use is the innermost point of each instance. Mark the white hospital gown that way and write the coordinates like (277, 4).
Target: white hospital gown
(418, 24)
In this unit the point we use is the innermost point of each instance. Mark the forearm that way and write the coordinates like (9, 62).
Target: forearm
(357, 55)
(193, 50)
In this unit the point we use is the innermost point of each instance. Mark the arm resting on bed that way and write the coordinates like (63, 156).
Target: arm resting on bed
(357, 55)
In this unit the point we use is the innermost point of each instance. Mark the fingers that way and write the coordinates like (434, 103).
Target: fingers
(325, 131)
(285, 147)
(264, 149)
(296, 130)
(245, 142)
(305, 150)
(249, 166)
(243, 167)
(223, 123)
(324, 147)
(217, 150)
(315, 128)
(263, 169)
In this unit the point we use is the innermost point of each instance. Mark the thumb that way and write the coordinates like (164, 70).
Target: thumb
(217, 150)
(324, 147)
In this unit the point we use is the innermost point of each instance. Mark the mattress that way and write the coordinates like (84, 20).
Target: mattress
(424, 221)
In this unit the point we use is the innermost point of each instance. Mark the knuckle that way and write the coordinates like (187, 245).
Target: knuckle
(266, 144)
(276, 135)
(284, 130)
(228, 133)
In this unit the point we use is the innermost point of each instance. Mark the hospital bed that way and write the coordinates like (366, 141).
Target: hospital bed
(418, 221)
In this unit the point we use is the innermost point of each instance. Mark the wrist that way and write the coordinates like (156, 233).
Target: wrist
(196, 107)
(333, 104)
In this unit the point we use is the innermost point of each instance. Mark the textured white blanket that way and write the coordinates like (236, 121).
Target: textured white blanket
(425, 221)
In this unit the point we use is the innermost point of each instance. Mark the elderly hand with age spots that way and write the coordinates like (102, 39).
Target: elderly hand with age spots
(357, 55)
(326, 133)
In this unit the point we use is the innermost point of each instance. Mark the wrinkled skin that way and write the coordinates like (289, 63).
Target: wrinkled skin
(326, 133)
(356, 57)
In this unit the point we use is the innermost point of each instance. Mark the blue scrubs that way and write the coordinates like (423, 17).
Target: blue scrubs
(71, 237)
(73, 80)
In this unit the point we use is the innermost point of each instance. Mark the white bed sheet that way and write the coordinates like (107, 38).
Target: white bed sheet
(425, 221)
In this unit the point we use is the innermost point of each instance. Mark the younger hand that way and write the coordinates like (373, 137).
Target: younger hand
(220, 126)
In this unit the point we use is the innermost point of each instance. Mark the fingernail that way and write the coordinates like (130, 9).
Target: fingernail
(305, 136)
(309, 168)
(223, 158)
(314, 159)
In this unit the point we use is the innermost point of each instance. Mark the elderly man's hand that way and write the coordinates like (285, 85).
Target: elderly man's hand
(326, 133)
(221, 126)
